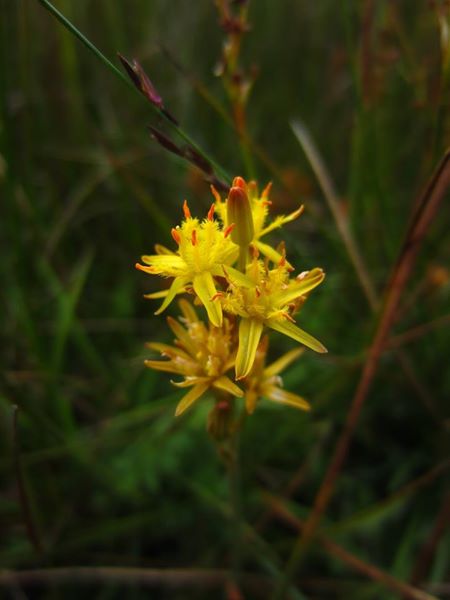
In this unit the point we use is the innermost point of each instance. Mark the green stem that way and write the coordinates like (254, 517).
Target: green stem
(83, 39)
(234, 473)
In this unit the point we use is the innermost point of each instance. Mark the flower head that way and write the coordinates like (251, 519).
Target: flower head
(260, 207)
(202, 355)
(265, 382)
(268, 297)
(204, 248)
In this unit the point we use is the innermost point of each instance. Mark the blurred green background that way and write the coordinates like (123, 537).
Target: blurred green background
(110, 477)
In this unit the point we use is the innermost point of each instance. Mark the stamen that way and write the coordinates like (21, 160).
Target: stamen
(187, 212)
(216, 195)
(217, 295)
(194, 237)
(288, 317)
(176, 236)
(267, 202)
(211, 212)
(228, 230)
(266, 190)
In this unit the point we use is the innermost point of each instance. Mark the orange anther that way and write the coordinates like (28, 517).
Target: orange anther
(211, 212)
(216, 194)
(267, 203)
(228, 230)
(176, 236)
(217, 295)
(187, 212)
(267, 189)
(194, 237)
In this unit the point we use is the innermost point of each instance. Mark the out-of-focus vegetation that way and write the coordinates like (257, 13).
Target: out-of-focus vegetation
(95, 469)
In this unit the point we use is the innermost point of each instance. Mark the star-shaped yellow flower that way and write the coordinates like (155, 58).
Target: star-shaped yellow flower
(265, 381)
(268, 297)
(204, 248)
(202, 355)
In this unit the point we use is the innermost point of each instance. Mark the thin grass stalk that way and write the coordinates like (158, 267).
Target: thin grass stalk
(369, 570)
(331, 197)
(92, 48)
(426, 209)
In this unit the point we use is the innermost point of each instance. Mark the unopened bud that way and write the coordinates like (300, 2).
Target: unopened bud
(239, 212)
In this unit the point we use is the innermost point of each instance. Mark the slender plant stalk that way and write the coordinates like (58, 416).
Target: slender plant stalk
(92, 48)
(369, 570)
(25, 503)
(426, 209)
(234, 473)
(331, 197)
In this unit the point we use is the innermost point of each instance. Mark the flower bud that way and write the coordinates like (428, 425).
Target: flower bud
(239, 212)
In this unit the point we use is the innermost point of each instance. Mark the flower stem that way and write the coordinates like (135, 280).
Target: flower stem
(234, 474)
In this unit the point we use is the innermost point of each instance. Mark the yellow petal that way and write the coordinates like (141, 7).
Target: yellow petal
(300, 287)
(177, 287)
(205, 289)
(268, 251)
(236, 277)
(294, 332)
(168, 350)
(281, 220)
(160, 249)
(162, 365)
(225, 384)
(168, 264)
(190, 381)
(188, 311)
(250, 331)
(276, 394)
(193, 395)
(283, 362)
(156, 295)
(182, 335)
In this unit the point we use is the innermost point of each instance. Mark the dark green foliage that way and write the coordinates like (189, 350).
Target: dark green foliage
(110, 476)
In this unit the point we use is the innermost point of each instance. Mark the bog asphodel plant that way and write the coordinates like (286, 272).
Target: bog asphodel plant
(247, 287)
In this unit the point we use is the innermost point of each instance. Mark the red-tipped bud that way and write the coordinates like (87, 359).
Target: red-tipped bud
(239, 182)
(240, 213)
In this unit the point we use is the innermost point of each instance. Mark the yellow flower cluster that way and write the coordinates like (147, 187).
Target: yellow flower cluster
(245, 285)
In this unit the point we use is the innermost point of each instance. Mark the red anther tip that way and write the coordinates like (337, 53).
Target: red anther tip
(194, 237)
(217, 295)
(216, 194)
(211, 212)
(186, 211)
(228, 230)
(240, 183)
(266, 190)
(176, 235)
